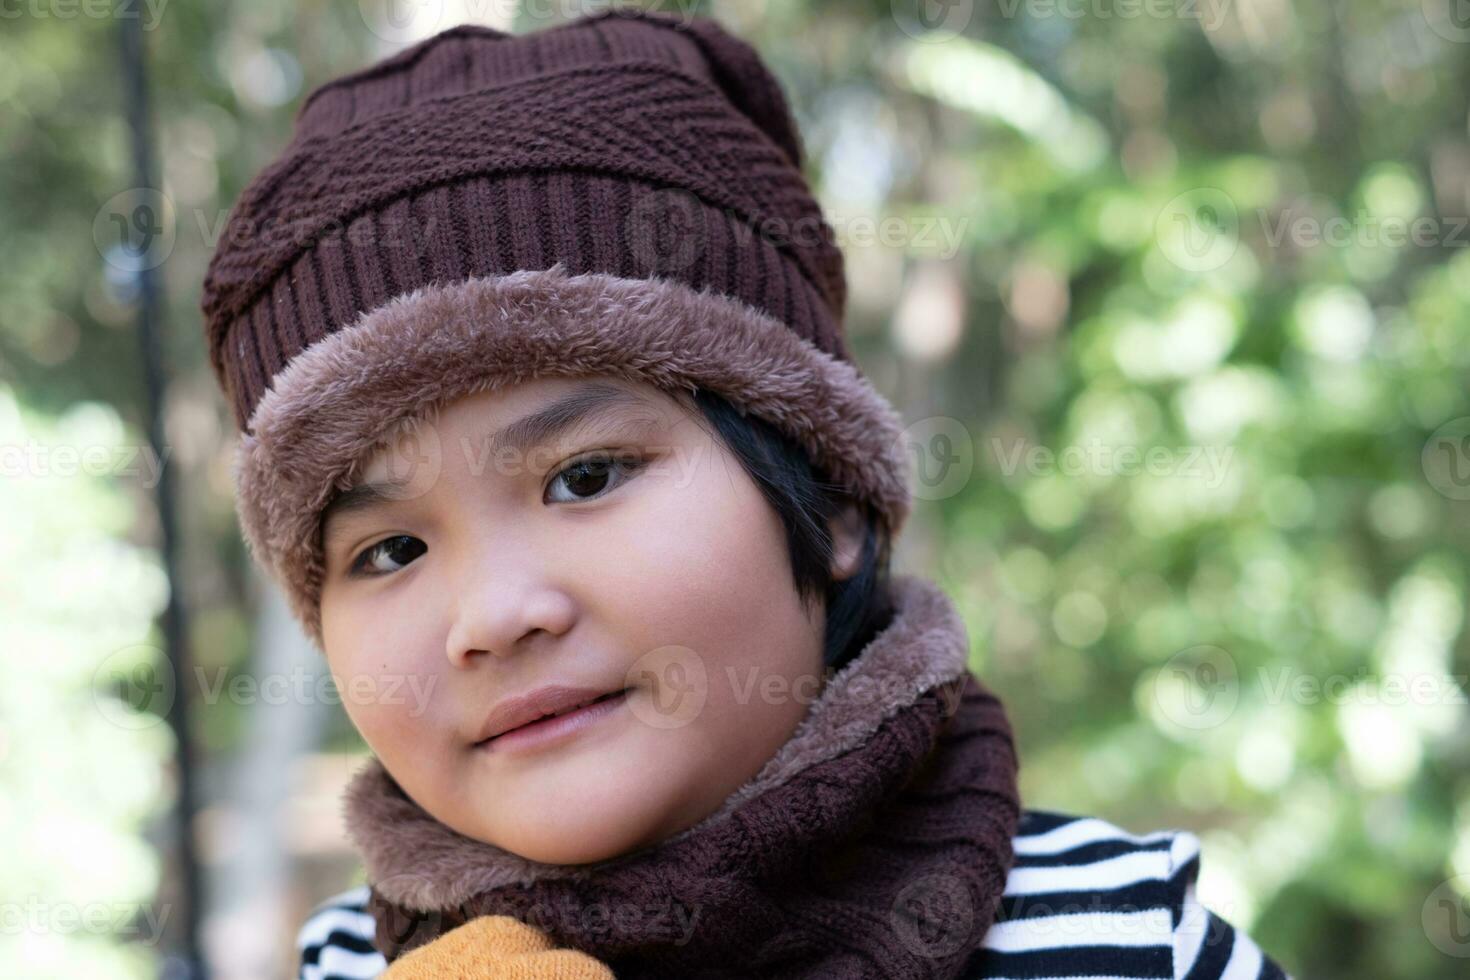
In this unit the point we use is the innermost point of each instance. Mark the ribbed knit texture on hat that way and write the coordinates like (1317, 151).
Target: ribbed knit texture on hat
(636, 144)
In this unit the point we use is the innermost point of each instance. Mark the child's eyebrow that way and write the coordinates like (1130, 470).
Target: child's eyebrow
(534, 429)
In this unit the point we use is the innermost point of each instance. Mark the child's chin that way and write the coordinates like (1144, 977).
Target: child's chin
(599, 818)
(591, 845)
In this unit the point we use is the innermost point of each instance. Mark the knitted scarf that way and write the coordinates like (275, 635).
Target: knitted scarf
(875, 843)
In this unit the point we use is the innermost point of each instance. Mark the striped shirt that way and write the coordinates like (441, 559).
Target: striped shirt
(1084, 899)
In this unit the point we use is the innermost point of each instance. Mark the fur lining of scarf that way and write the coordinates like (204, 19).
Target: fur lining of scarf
(329, 408)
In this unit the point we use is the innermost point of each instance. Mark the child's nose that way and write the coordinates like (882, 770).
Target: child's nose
(492, 613)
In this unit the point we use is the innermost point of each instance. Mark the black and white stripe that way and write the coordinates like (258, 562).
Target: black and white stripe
(336, 943)
(1088, 899)
(1085, 899)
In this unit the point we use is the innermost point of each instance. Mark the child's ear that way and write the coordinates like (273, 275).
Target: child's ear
(847, 541)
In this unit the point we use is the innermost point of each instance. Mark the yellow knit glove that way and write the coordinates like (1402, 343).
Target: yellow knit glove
(495, 947)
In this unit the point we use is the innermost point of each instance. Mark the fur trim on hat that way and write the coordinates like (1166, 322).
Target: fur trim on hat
(417, 862)
(331, 406)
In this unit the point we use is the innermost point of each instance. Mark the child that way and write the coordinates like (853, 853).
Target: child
(536, 345)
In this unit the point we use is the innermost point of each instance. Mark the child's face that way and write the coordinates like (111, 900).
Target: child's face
(494, 575)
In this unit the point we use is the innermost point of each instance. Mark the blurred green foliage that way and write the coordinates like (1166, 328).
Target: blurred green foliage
(1177, 302)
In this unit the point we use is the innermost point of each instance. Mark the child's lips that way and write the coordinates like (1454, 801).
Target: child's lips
(553, 729)
(550, 699)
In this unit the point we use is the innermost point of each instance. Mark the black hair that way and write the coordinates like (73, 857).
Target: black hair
(857, 607)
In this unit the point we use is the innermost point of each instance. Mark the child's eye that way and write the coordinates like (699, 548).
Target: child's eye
(400, 549)
(584, 479)
(587, 477)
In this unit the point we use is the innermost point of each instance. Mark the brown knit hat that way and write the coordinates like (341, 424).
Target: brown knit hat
(618, 194)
